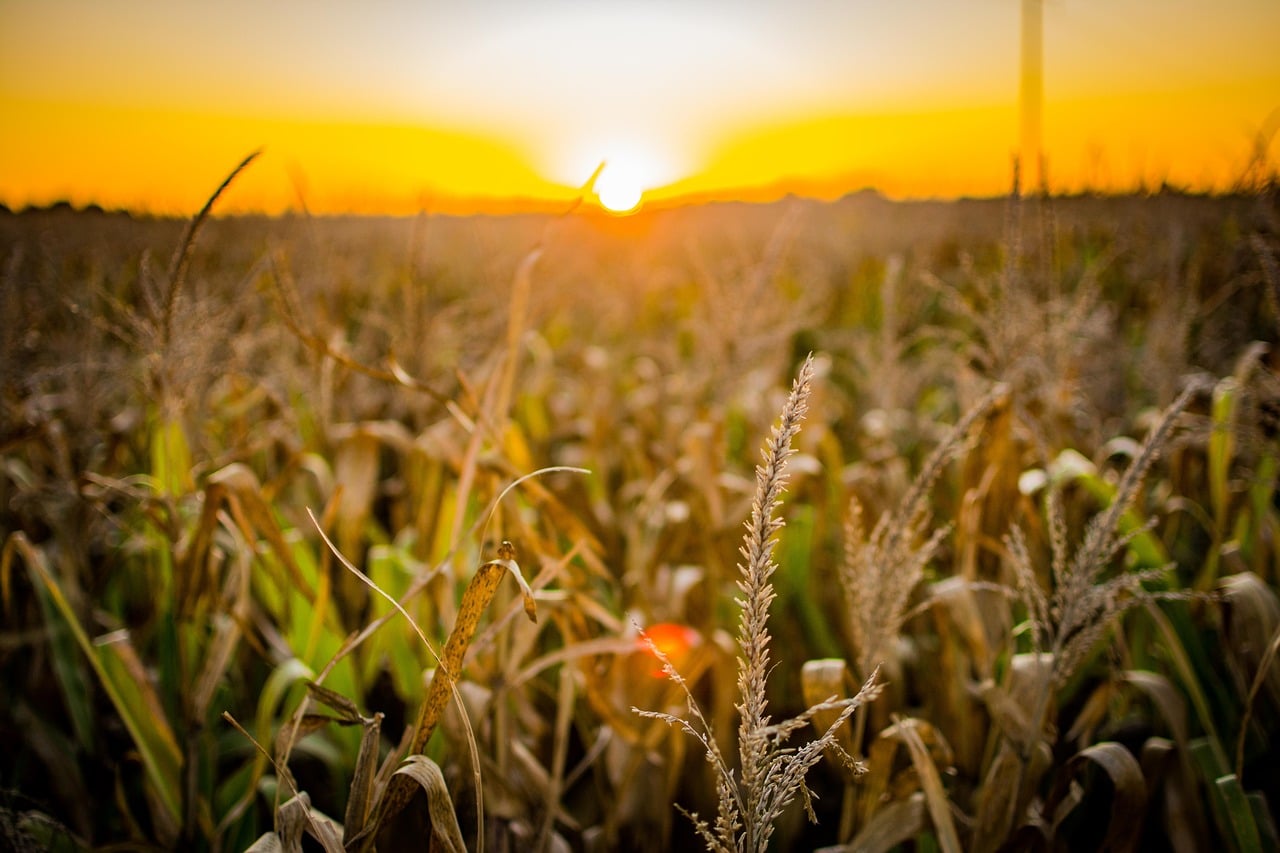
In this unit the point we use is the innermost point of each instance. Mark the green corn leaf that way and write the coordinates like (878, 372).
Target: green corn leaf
(171, 458)
(67, 668)
(1244, 830)
(1070, 467)
(130, 692)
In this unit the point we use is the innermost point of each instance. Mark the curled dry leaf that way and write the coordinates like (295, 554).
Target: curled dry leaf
(296, 816)
(1128, 798)
(507, 559)
(445, 831)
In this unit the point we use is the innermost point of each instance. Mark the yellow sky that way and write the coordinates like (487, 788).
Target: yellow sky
(395, 105)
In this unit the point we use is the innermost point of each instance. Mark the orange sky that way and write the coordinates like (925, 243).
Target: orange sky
(399, 105)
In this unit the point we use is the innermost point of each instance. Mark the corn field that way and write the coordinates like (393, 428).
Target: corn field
(455, 532)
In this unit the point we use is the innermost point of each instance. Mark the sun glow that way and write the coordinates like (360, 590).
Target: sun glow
(631, 168)
(619, 188)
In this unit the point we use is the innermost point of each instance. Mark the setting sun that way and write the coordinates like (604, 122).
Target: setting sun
(619, 188)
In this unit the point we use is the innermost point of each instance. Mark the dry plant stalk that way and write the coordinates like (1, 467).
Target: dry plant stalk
(1065, 627)
(770, 774)
(880, 571)
(398, 789)
(1083, 606)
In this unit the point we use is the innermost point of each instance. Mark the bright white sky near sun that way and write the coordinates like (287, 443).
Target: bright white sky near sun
(664, 84)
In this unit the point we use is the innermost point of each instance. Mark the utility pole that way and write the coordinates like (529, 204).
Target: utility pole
(1031, 95)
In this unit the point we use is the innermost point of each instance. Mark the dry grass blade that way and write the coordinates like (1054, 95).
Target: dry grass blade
(893, 825)
(294, 815)
(432, 706)
(178, 266)
(556, 784)
(182, 258)
(445, 831)
(931, 783)
(475, 600)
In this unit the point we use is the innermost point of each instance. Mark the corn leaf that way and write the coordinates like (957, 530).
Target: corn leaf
(130, 692)
(1239, 814)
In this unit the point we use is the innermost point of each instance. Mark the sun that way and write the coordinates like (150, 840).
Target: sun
(619, 187)
(617, 171)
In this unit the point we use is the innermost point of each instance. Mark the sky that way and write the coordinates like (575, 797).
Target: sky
(399, 105)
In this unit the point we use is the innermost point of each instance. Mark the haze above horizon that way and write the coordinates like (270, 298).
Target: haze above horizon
(392, 106)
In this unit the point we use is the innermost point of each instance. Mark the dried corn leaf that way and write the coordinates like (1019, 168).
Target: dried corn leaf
(291, 822)
(1252, 620)
(1129, 792)
(1011, 718)
(1028, 673)
(1004, 791)
(355, 471)
(291, 733)
(445, 831)
(821, 681)
(335, 700)
(327, 832)
(874, 786)
(226, 639)
(360, 798)
(893, 824)
(1167, 700)
(913, 733)
(236, 487)
(1168, 776)
(1093, 714)
(506, 559)
(966, 618)
(296, 816)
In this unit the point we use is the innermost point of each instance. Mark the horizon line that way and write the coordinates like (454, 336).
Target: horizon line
(775, 192)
